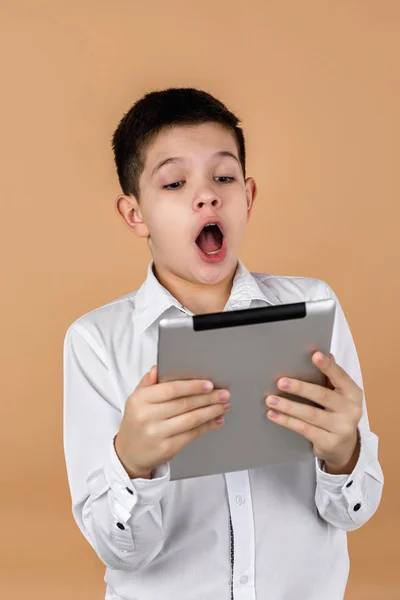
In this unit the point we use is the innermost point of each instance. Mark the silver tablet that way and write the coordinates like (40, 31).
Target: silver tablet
(245, 351)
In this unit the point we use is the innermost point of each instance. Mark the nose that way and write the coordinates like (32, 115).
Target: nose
(207, 198)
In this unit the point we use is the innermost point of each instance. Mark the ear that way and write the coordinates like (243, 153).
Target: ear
(127, 207)
(251, 193)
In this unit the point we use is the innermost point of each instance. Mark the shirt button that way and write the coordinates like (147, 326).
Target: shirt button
(240, 499)
(244, 579)
(349, 484)
(128, 490)
(120, 526)
(357, 507)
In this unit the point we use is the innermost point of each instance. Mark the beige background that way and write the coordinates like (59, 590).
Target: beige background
(317, 85)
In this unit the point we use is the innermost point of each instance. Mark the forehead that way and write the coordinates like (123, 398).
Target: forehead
(180, 140)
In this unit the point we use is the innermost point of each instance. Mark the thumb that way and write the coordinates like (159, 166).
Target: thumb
(150, 378)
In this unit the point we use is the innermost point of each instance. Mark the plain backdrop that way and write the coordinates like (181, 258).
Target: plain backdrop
(316, 84)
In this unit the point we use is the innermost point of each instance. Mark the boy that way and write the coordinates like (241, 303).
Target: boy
(277, 532)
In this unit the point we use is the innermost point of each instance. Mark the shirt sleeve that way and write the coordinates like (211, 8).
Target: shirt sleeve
(120, 517)
(348, 501)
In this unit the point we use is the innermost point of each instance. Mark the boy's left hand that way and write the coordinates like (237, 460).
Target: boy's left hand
(333, 432)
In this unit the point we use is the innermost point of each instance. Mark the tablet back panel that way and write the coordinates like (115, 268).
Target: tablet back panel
(246, 352)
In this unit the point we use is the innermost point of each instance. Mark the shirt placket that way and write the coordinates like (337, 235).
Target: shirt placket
(242, 535)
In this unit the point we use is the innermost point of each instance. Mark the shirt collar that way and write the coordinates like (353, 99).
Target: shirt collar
(153, 299)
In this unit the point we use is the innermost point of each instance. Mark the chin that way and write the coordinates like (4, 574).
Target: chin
(213, 274)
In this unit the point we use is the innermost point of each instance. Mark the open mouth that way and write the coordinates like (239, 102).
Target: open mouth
(210, 239)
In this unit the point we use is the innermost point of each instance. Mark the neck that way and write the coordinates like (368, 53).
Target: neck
(197, 297)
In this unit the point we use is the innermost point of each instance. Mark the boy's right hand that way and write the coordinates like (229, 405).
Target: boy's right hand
(161, 418)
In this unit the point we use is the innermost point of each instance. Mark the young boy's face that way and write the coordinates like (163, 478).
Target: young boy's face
(177, 198)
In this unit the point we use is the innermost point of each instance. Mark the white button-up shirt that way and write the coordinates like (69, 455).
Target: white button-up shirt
(171, 539)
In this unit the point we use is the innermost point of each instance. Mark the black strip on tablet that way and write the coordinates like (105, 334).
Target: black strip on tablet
(249, 316)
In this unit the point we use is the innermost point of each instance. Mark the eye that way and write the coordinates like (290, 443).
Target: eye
(175, 185)
(169, 185)
(223, 177)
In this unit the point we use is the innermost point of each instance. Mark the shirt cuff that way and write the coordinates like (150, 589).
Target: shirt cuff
(131, 492)
(350, 487)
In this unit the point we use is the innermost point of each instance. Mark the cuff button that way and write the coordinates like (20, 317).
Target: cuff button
(357, 507)
(349, 484)
(128, 490)
(120, 526)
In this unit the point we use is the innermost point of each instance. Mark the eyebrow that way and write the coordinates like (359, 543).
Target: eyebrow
(176, 159)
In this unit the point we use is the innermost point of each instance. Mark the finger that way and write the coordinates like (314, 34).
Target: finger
(154, 373)
(163, 392)
(336, 374)
(323, 396)
(148, 379)
(314, 434)
(304, 412)
(190, 420)
(183, 439)
(173, 408)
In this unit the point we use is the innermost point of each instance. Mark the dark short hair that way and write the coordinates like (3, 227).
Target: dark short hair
(158, 110)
